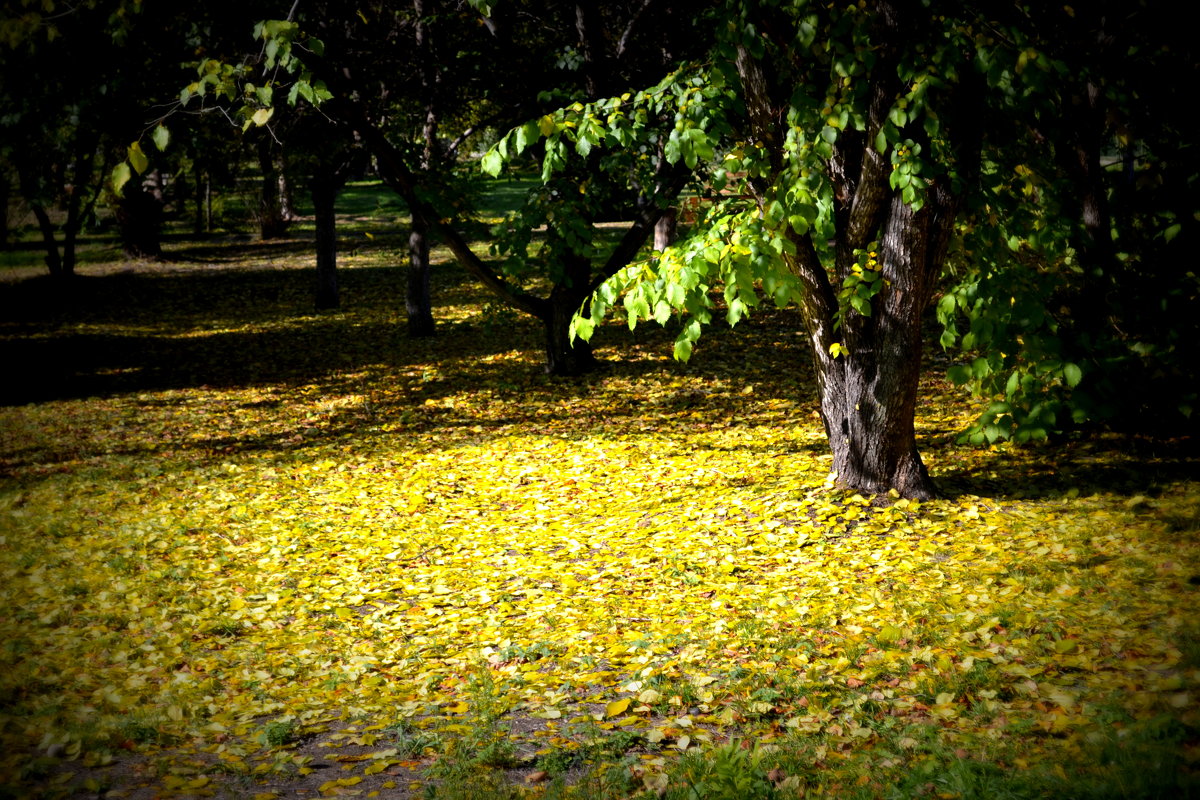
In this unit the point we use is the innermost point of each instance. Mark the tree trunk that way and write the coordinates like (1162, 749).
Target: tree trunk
(139, 217)
(5, 195)
(54, 259)
(868, 365)
(199, 190)
(418, 301)
(271, 221)
(664, 229)
(325, 186)
(868, 390)
(417, 297)
(564, 357)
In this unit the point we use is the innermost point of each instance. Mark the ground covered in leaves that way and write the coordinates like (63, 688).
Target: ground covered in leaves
(247, 550)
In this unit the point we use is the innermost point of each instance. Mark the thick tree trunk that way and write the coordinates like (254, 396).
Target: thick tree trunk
(664, 229)
(325, 186)
(868, 365)
(417, 298)
(1094, 246)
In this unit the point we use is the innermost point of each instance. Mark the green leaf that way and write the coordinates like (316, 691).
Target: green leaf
(161, 137)
(662, 312)
(582, 328)
(262, 116)
(1073, 374)
(881, 142)
(492, 162)
(120, 176)
(959, 374)
(524, 135)
(683, 349)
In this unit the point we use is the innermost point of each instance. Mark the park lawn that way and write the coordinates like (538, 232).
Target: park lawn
(244, 543)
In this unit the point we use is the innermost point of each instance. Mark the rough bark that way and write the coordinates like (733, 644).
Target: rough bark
(664, 229)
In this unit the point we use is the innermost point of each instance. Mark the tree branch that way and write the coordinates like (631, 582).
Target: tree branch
(397, 174)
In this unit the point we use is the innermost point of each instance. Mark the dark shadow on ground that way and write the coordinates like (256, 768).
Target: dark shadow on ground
(1126, 464)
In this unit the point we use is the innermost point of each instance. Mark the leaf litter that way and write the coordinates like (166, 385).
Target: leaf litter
(368, 565)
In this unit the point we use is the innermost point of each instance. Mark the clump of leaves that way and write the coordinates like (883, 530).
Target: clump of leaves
(735, 771)
(279, 733)
(408, 740)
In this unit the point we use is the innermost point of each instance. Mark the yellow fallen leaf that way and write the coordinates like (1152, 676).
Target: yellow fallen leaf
(617, 707)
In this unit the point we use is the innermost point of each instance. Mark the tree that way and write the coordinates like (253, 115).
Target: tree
(67, 124)
(584, 38)
(856, 150)
(1074, 279)
(869, 137)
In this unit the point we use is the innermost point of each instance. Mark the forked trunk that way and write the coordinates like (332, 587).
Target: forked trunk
(869, 369)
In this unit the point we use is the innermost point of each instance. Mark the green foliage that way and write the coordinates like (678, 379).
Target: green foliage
(735, 771)
(860, 285)
(279, 733)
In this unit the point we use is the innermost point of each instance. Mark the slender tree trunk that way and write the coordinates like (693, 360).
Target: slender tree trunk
(325, 185)
(5, 196)
(287, 211)
(417, 296)
(199, 190)
(54, 260)
(418, 300)
(272, 224)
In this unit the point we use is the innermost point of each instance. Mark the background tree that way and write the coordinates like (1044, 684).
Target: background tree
(63, 130)
(1079, 249)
